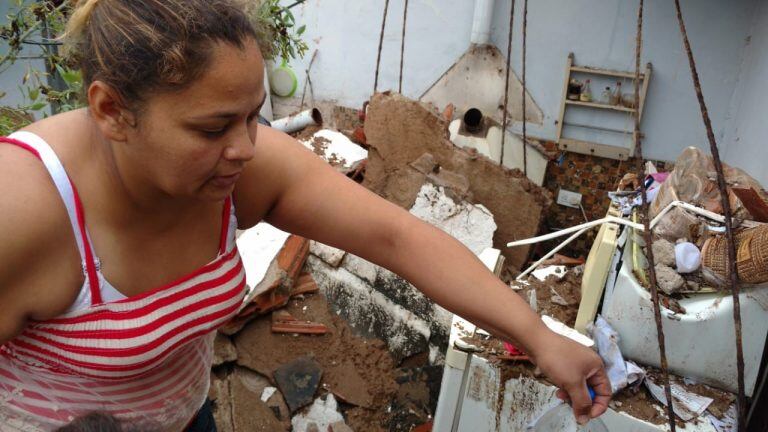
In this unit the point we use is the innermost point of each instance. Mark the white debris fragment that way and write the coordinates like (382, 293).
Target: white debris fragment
(471, 224)
(258, 247)
(563, 330)
(687, 405)
(329, 254)
(543, 273)
(728, 423)
(337, 148)
(620, 372)
(322, 413)
(267, 393)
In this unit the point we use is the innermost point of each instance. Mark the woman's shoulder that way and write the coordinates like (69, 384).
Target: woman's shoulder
(31, 209)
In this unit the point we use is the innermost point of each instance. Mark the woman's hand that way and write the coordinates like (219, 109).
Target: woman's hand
(572, 366)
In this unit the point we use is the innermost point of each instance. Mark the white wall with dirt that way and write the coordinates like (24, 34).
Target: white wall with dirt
(747, 132)
(599, 33)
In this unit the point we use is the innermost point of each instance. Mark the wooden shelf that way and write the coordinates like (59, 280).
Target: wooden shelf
(606, 72)
(596, 148)
(600, 105)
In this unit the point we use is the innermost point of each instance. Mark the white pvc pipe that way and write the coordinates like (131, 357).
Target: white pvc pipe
(594, 223)
(481, 23)
(550, 253)
(706, 213)
(298, 121)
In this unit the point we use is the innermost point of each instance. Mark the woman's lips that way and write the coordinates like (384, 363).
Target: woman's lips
(225, 181)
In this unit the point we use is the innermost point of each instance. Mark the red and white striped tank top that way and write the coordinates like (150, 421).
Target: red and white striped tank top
(145, 359)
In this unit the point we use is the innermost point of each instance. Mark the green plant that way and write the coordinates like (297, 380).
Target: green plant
(57, 88)
(275, 27)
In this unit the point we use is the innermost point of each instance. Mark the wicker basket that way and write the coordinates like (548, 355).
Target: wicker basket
(751, 255)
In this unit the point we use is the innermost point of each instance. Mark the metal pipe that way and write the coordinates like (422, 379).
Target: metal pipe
(473, 120)
(297, 122)
(481, 22)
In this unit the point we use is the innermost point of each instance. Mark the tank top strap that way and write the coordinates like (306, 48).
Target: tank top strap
(43, 151)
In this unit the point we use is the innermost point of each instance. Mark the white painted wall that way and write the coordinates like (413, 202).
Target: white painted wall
(745, 139)
(599, 33)
(602, 34)
(346, 35)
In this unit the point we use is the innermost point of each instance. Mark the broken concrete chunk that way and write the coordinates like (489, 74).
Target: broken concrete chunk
(335, 148)
(329, 254)
(219, 395)
(223, 350)
(669, 280)
(339, 426)
(472, 225)
(249, 413)
(361, 268)
(298, 381)
(323, 413)
(515, 202)
(664, 252)
(258, 384)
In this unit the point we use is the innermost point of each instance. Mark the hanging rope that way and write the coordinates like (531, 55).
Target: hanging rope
(525, 135)
(402, 47)
(381, 43)
(506, 82)
(733, 285)
(648, 235)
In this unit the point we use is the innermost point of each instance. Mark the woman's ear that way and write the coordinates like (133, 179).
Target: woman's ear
(106, 106)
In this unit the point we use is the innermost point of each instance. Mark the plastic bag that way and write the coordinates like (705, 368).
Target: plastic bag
(694, 181)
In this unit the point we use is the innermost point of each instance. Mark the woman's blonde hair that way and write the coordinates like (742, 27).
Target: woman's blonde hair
(151, 45)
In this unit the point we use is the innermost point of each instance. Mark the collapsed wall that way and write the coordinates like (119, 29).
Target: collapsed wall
(409, 145)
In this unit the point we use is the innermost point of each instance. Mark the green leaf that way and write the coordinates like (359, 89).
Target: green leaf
(34, 93)
(301, 29)
(38, 106)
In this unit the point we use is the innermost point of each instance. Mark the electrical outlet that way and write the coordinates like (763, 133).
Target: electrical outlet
(568, 198)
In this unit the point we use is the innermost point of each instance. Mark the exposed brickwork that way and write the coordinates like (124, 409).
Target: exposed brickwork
(591, 176)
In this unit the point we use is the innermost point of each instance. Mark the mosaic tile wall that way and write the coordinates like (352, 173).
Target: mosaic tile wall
(593, 177)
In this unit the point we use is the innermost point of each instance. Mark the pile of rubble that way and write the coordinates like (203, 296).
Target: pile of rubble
(329, 341)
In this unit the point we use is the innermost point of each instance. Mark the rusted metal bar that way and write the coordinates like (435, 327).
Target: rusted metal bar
(733, 284)
(525, 43)
(402, 47)
(381, 43)
(647, 233)
(506, 81)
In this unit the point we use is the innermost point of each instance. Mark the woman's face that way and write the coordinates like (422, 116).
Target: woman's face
(195, 142)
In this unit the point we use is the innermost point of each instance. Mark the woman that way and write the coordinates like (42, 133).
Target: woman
(155, 175)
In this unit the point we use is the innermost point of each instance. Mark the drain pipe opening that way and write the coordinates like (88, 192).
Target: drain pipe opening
(473, 120)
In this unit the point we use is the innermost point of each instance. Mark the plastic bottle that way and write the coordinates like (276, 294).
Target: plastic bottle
(616, 96)
(586, 92)
(606, 96)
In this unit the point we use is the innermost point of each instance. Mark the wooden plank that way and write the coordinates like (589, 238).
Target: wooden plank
(644, 90)
(600, 106)
(560, 118)
(607, 72)
(595, 149)
(753, 202)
